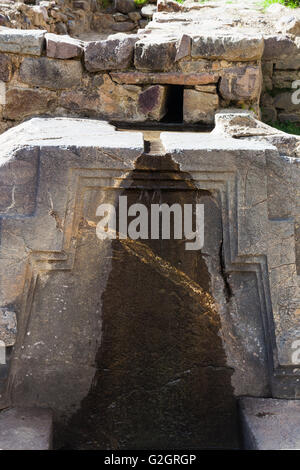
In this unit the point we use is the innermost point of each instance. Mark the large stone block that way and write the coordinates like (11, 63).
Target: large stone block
(26, 429)
(116, 52)
(51, 73)
(19, 41)
(155, 54)
(24, 102)
(243, 124)
(241, 83)
(152, 102)
(278, 47)
(199, 106)
(235, 47)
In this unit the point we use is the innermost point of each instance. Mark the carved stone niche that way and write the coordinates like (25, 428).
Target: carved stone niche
(142, 344)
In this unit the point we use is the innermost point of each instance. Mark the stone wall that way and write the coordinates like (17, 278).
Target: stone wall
(126, 77)
(281, 69)
(132, 77)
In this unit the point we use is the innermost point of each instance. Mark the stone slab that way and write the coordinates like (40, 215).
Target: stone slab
(19, 41)
(26, 429)
(67, 132)
(270, 424)
(176, 142)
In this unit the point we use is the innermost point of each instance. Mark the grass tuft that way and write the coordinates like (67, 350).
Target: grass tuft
(289, 127)
(140, 3)
(287, 3)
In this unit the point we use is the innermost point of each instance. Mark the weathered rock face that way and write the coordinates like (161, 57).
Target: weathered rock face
(278, 47)
(113, 53)
(152, 102)
(30, 102)
(241, 83)
(199, 106)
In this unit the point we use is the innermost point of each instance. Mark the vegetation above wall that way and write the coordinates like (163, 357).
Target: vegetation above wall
(287, 3)
(289, 127)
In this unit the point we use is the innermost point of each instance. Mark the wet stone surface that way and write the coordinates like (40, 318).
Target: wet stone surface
(162, 381)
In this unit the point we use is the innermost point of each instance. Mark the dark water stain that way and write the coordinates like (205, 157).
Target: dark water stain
(162, 381)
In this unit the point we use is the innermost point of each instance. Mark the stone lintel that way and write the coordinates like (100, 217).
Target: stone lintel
(169, 78)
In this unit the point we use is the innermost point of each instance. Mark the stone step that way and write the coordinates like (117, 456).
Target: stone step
(26, 429)
(270, 424)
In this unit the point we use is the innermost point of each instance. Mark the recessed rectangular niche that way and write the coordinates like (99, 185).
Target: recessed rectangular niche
(174, 104)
